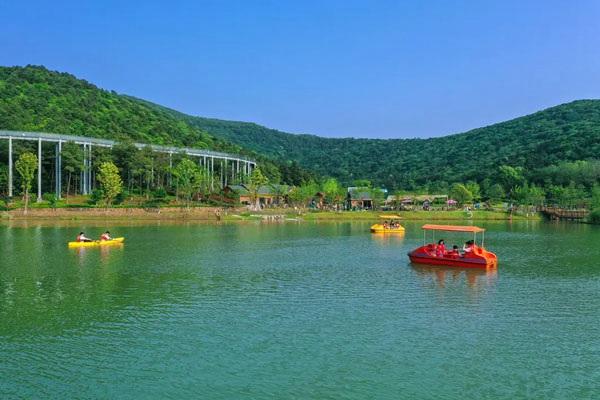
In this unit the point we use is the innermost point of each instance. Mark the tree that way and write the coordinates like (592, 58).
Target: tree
(3, 179)
(596, 197)
(511, 177)
(474, 188)
(257, 179)
(189, 179)
(333, 191)
(528, 195)
(460, 193)
(26, 166)
(495, 192)
(110, 181)
(377, 196)
(72, 161)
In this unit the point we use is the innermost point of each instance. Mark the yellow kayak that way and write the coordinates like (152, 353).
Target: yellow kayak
(118, 240)
(378, 228)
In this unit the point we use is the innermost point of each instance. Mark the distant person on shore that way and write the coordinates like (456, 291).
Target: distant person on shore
(440, 250)
(82, 238)
(105, 236)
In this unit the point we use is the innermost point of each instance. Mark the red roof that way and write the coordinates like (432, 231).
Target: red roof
(453, 228)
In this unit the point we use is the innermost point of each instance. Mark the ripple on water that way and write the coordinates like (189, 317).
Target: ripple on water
(305, 311)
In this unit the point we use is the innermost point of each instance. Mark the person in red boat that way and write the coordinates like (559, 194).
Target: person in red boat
(105, 236)
(469, 247)
(454, 252)
(82, 238)
(440, 250)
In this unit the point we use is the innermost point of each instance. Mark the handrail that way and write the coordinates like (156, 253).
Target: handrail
(56, 137)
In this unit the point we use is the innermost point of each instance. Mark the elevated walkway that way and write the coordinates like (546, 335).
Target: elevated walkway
(239, 165)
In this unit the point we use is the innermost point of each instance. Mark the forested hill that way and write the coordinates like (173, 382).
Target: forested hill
(566, 132)
(36, 99)
(33, 98)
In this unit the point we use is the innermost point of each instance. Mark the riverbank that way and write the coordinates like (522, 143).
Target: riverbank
(141, 214)
(212, 214)
(420, 215)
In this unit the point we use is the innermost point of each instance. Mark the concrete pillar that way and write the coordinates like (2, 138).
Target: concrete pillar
(212, 173)
(89, 169)
(86, 174)
(170, 169)
(39, 188)
(58, 169)
(83, 171)
(10, 168)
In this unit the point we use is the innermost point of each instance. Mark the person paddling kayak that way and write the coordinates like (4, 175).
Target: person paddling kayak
(105, 236)
(82, 238)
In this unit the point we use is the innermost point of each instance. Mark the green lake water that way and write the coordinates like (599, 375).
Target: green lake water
(297, 311)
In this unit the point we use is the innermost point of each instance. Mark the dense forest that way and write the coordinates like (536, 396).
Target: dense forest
(34, 98)
(551, 154)
(567, 132)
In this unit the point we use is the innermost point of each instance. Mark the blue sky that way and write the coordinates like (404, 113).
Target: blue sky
(333, 68)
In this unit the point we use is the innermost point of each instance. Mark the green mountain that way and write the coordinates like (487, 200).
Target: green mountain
(567, 132)
(34, 98)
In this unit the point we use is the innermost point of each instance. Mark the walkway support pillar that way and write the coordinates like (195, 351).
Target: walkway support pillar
(170, 169)
(10, 168)
(232, 172)
(83, 171)
(86, 174)
(58, 170)
(89, 169)
(221, 171)
(39, 185)
(212, 173)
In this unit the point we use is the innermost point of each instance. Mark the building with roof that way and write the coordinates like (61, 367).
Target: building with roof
(266, 195)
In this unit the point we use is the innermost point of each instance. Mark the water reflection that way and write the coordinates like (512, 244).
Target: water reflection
(475, 278)
(387, 239)
(105, 252)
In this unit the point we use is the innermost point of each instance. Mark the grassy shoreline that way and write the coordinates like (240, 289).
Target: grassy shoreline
(215, 214)
(420, 215)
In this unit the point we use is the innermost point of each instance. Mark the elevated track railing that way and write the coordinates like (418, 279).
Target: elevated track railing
(239, 165)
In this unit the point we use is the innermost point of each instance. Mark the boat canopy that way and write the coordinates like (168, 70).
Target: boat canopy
(390, 216)
(453, 228)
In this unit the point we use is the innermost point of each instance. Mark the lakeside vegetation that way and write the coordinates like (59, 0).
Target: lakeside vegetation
(550, 157)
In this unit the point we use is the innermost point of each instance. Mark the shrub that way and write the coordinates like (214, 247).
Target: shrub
(96, 196)
(595, 216)
(51, 199)
(159, 195)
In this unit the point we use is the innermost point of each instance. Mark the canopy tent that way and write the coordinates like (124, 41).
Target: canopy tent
(453, 228)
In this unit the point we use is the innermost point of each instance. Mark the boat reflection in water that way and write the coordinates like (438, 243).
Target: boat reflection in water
(386, 239)
(443, 276)
(104, 251)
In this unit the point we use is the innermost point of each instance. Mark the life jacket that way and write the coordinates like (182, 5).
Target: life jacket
(79, 238)
(104, 237)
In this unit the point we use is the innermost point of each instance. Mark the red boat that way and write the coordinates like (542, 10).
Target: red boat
(475, 256)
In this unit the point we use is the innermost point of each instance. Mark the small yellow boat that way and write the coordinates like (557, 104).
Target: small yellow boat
(393, 220)
(95, 243)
